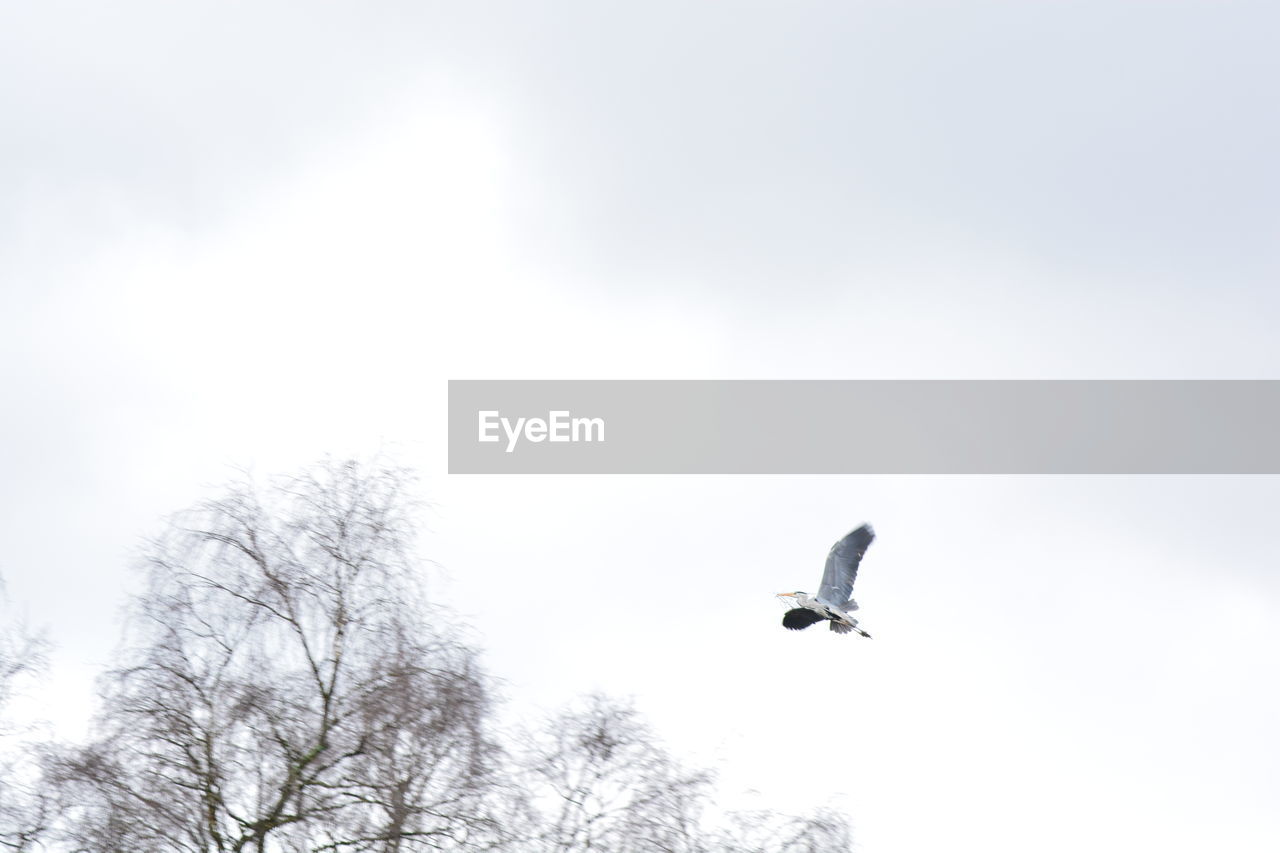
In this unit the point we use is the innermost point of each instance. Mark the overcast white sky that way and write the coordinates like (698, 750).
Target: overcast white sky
(255, 234)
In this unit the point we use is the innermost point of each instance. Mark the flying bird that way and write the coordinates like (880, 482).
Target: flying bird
(833, 601)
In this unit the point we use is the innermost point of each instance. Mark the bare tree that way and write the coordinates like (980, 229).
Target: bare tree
(824, 831)
(282, 689)
(599, 780)
(25, 810)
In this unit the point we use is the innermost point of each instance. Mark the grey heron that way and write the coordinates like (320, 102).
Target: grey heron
(833, 601)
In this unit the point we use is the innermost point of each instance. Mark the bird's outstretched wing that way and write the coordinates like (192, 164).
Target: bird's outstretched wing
(800, 618)
(842, 566)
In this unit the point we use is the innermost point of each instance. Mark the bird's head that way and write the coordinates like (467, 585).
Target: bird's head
(796, 594)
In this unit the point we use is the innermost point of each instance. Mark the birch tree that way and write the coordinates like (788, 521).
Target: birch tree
(284, 687)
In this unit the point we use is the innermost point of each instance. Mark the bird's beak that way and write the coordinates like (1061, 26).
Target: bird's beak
(784, 594)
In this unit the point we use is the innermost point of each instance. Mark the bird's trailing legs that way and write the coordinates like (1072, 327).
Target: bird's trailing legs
(845, 624)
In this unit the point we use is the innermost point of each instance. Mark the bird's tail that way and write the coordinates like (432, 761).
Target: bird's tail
(843, 628)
